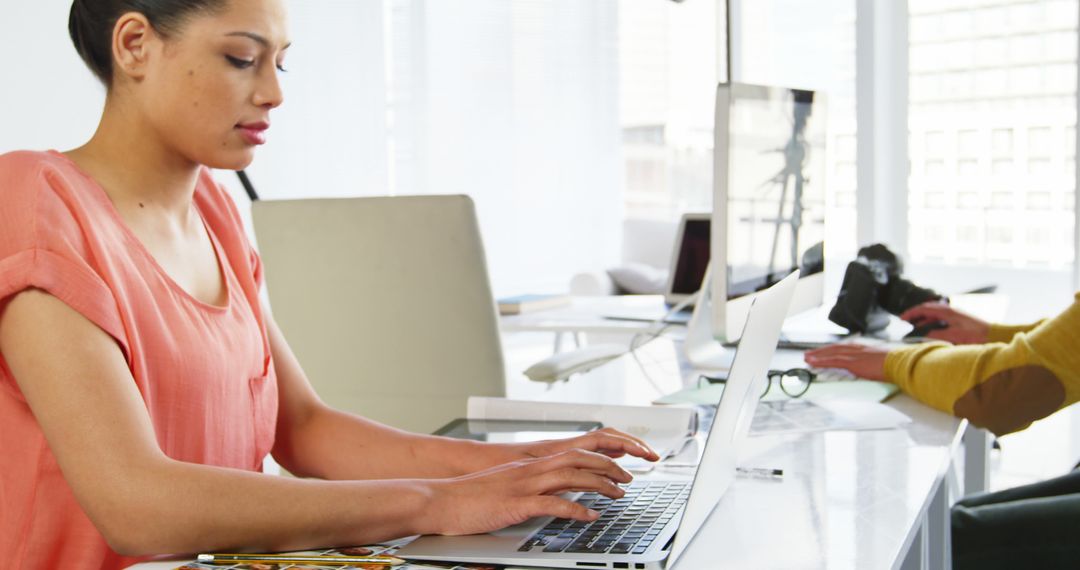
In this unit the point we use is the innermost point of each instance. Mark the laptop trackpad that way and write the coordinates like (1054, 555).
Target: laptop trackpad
(463, 547)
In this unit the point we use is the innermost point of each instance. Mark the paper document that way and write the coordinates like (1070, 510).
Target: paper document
(666, 429)
(796, 415)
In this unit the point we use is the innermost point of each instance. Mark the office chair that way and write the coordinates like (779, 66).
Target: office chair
(386, 302)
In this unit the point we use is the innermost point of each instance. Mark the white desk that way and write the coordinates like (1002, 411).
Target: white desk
(862, 499)
(858, 499)
(586, 314)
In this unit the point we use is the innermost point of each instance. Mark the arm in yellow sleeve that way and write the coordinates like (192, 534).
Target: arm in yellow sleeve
(999, 386)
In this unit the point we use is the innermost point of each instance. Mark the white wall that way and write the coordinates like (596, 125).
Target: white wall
(47, 97)
(327, 140)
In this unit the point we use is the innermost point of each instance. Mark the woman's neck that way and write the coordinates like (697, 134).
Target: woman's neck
(135, 169)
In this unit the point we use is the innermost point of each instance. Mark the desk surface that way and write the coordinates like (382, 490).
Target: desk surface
(852, 499)
(586, 314)
(848, 499)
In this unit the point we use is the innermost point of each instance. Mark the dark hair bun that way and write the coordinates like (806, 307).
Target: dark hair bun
(91, 24)
(84, 27)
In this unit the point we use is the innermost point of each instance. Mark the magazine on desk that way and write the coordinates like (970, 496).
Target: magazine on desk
(373, 550)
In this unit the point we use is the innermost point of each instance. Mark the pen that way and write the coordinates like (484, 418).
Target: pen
(747, 471)
(759, 472)
(323, 560)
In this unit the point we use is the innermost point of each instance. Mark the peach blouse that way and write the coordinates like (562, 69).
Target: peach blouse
(204, 371)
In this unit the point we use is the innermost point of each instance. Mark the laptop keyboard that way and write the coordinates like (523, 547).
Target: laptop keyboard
(626, 526)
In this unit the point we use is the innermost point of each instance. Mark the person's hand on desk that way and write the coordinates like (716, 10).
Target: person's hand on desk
(960, 328)
(861, 360)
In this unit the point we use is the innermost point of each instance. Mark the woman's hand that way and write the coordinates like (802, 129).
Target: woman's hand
(515, 492)
(861, 360)
(607, 441)
(962, 328)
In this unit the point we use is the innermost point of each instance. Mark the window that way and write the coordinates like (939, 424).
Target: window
(668, 72)
(993, 113)
(669, 69)
(811, 45)
(515, 103)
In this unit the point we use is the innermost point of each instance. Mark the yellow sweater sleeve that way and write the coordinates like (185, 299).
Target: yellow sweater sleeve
(1001, 386)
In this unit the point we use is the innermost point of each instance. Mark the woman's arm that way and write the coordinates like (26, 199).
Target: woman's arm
(1000, 386)
(315, 440)
(76, 382)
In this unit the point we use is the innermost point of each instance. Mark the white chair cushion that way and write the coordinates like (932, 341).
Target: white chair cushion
(639, 279)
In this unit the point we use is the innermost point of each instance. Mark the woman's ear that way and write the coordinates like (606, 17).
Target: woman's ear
(131, 43)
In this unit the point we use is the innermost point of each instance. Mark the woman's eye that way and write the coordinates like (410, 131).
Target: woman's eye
(240, 63)
(281, 68)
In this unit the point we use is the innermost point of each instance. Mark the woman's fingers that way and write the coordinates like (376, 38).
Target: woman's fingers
(812, 357)
(864, 361)
(585, 460)
(612, 442)
(547, 505)
(625, 435)
(831, 361)
(607, 441)
(571, 480)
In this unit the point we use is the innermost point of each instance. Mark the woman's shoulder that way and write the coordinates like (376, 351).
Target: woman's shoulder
(23, 165)
(25, 174)
(43, 193)
(31, 160)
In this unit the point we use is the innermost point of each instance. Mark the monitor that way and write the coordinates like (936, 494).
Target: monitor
(768, 199)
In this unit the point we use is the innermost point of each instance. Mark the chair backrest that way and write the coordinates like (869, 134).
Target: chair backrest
(386, 302)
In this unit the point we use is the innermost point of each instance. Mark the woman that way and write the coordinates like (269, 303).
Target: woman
(141, 384)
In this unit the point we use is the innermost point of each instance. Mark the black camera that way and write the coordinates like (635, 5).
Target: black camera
(873, 288)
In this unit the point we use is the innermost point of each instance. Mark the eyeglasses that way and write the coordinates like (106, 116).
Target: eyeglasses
(794, 382)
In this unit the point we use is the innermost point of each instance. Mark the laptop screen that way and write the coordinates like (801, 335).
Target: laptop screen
(693, 257)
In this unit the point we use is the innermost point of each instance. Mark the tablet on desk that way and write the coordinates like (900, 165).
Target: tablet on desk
(515, 431)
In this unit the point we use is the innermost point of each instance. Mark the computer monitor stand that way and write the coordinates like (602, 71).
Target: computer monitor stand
(701, 347)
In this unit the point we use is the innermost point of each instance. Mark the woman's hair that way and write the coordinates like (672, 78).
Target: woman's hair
(91, 25)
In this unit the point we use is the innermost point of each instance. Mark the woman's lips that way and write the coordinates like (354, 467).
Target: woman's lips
(254, 133)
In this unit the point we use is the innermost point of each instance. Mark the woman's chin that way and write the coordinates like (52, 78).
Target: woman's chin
(232, 160)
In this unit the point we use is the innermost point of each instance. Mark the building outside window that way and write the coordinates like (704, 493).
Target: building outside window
(992, 113)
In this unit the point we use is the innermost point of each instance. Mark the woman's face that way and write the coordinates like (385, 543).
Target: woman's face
(209, 93)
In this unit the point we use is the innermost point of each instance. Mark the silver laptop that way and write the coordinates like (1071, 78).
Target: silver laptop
(652, 525)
